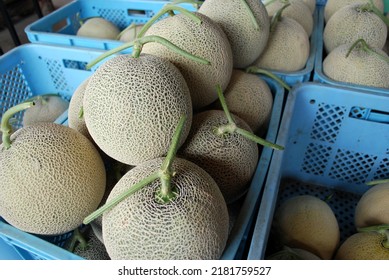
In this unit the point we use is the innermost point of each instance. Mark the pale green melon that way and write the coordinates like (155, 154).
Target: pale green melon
(332, 6)
(98, 27)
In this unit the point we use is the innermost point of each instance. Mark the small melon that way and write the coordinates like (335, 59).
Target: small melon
(364, 246)
(52, 178)
(47, 109)
(287, 49)
(372, 208)
(206, 40)
(360, 67)
(230, 159)
(194, 225)
(246, 41)
(249, 97)
(98, 27)
(131, 107)
(129, 34)
(307, 222)
(334, 5)
(297, 10)
(351, 23)
(76, 121)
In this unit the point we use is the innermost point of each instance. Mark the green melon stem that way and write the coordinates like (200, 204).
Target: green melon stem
(257, 70)
(376, 182)
(113, 202)
(231, 127)
(166, 193)
(381, 229)
(138, 43)
(366, 48)
(81, 112)
(42, 97)
(277, 17)
(165, 174)
(77, 237)
(250, 14)
(6, 127)
(167, 9)
(373, 8)
(385, 243)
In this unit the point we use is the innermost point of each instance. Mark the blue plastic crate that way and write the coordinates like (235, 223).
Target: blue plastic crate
(34, 69)
(60, 27)
(319, 75)
(336, 139)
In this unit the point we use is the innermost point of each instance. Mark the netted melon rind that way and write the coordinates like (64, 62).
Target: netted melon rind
(332, 6)
(193, 226)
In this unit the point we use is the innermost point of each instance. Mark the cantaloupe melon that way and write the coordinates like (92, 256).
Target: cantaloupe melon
(249, 97)
(287, 49)
(297, 10)
(308, 223)
(360, 67)
(130, 33)
(98, 27)
(75, 120)
(131, 106)
(311, 4)
(52, 178)
(364, 246)
(351, 23)
(230, 159)
(206, 40)
(247, 39)
(332, 6)
(194, 225)
(94, 250)
(47, 109)
(372, 207)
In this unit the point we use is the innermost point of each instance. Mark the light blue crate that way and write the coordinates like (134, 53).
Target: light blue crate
(34, 69)
(331, 148)
(318, 75)
(60, 27)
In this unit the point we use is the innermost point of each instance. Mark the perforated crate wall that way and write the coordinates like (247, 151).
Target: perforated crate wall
(336, 140)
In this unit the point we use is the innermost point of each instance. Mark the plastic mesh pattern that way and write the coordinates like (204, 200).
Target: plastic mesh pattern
(13, 90)
(327, 122)
(382, 171)
(74, 64)
(56, 72)
(352, 167)
(359, 113)
(316, 159)
(118, 17)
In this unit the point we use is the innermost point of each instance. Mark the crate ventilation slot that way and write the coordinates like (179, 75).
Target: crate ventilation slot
(116, 16)
(57, 75)
(74, 64)
(369, 114)
(352, 167)
(13, 90)
(316, 159)
(327, 122)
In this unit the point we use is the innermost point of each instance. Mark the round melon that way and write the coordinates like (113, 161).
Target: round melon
(76, 121)
(206, 40)
(246, 41)
(130, 33)
(47, 109)
(363, 246)
(230, 159)
(297, 10)
(194, 225)
(333, 6)
(98, 27)
(308, 223)
(360, 67)
(287, 49)
(350, 24)
(52, 178)
(249, 97)
(372, 207)
(132, 105)
(311, 4)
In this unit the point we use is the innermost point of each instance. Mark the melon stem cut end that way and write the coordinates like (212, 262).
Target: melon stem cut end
(6, 127)
(231, 127)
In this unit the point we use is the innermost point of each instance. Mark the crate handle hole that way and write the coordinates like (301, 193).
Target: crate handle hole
(60, 25)
(136, 13)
